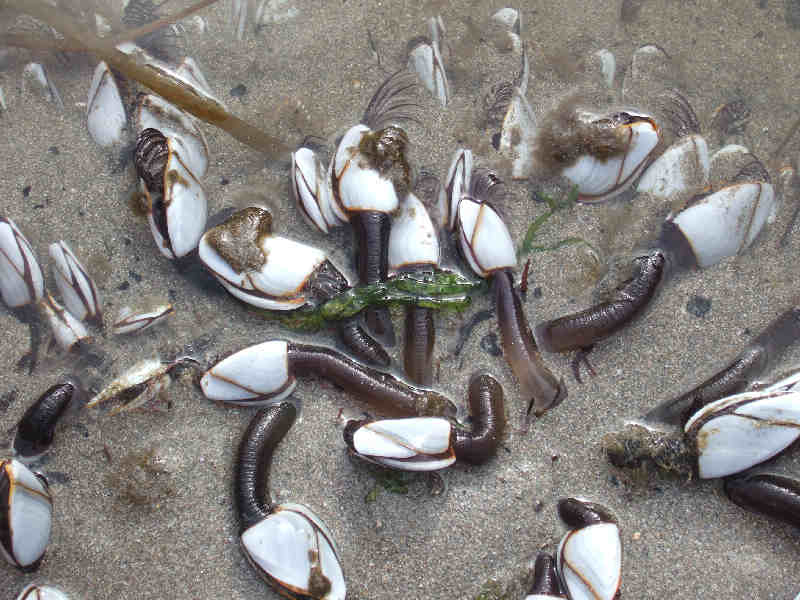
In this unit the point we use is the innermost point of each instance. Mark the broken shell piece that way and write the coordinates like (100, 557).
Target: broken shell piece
(425, 59)
(42, 592)
(129, 321)
(21, 278)
(105, 112)
(67, 330)
(76, 287)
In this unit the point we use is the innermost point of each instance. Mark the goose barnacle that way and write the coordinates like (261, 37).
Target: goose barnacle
(457, 183)
(41, 592)
(313, 191)
(21, 278)
(546, 585)
(36, 428)
(589, 557)
(76, 287)
(105, 113)
(177, 206)
(486, 244)
(433, 443)
(715, 226)
(425, 59)
(26, 515)
(67, 330)
(130, 321)
(265, 374)
(287, 544)
(414, 246)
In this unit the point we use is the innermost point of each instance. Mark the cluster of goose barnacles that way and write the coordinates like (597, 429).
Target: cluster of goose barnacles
(720, 202)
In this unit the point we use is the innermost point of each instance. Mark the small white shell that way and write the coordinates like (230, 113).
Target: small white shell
(602, 179)
(129, 321)
(743, 430)
(726, 222)
(412, 240)
(281, 281)
(485, 240)
(457, 183)
(42, 592)
(105, 111)
(21, 278)
(27, 514)
(413, 444)
(288, 545)
(590, 562)
(67, 330)
(153, 111)
(679, 174)
(186, 206)
(76, 287)
(360, 187)
(254, 376)
(312, 190)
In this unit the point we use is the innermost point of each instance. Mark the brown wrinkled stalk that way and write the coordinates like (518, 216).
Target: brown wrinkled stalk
(171, 90)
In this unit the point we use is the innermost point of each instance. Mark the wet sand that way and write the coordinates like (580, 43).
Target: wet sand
(123, 530)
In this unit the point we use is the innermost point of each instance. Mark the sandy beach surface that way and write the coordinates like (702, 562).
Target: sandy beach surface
(144, 500)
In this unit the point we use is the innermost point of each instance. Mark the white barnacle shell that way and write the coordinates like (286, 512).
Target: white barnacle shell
(519, 126)
(743, 430)
(294, 551)
(484, 238)
(41, 592)
(255, 376)
(105, 111)
(76, 287)
(184, 203)
(155, 112)
(311, 184)
(67, 330)
(425, 59)
(457, 183)
(413, 444)
(129, 321)
(262, 269)
(589, 562)
(21, 279)
(726, 222)
(679, 174)
(412, 240)
(358, 185)
(26, 514)
(602, 178)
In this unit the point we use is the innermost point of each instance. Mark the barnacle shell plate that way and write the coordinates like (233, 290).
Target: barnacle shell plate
(289, 546)
(414, 444)
(283, 276)
(601, 179)
(484, 237)
(413, 240)
(361, 187)
(590, 562)
(727, 221)
(105, 112)
(27, 514)
(42, 592)
(21, 279)
(254, 376)
(743, 430)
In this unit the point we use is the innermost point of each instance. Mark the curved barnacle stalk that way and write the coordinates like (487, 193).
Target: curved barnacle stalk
(36, 428)
(41, 592)
(601, 153)
(546, 585)
(26, 515)
(287, 544)
(75, 285)
(486, 244)
(369, 173)
(433, 443)
(589, 557)
(177, 206)
(772, 495)
(713, 227)
(414, 247)
(265, 373)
